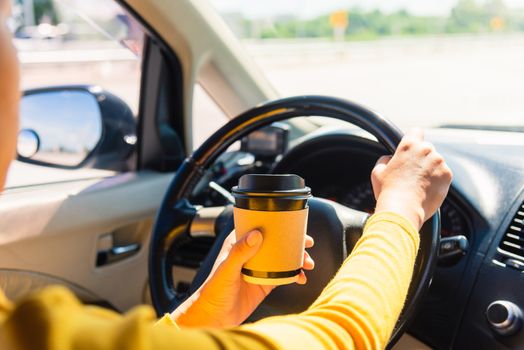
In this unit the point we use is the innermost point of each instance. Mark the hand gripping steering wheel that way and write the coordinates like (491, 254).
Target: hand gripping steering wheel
(334, 227)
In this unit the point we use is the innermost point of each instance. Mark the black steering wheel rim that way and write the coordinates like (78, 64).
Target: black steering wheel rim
(167, 227)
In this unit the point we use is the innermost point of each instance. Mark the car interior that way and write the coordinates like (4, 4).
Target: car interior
(139, 215)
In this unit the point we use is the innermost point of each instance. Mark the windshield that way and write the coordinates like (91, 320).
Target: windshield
(423, 63)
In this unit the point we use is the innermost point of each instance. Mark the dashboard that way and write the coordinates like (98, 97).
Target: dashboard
(338, 167)
(482, 222)
(488, 178)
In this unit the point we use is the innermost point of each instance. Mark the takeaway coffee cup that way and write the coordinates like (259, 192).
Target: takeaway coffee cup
(277, 206)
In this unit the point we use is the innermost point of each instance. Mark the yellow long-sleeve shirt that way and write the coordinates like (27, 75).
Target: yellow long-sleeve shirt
(357, 310)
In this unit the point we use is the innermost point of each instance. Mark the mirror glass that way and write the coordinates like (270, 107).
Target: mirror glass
(28, 143)
(66, 123)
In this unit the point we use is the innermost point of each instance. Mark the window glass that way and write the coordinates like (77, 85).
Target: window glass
(74, 42)
(424, 63)
(78, 42)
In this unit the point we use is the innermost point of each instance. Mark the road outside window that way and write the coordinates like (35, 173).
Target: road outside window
(75, 42)
(424, 63)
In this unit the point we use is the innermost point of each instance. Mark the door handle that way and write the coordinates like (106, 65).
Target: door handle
(114, 254)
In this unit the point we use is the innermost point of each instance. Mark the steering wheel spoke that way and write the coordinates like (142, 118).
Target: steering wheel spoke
(204, 222)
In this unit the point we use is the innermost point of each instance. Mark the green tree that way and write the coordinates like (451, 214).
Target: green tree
(45, 9)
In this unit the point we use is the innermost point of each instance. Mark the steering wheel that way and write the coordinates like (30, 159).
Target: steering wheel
(334, 227)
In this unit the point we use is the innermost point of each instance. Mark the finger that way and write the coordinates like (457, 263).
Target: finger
(266, 289)
(229, 242)
(302, 279)
(384, 160)
(411, 139)
(381, 165)
(447, 173)
(426, 148)
(376, 174)
(243, 250)
(309, 263)
(310, 242)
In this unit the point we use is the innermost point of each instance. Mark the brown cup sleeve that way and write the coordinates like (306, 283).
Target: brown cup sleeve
(284, 238)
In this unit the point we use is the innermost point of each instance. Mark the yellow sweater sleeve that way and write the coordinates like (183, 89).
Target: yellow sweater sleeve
(358, 309)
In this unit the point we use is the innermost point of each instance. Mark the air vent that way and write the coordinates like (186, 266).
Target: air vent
(511, 246)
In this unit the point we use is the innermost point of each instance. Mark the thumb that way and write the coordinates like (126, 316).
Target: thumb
(243, 250)
(377, 172)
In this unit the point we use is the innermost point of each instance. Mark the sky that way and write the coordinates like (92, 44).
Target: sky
(312, 8)
(70, 119)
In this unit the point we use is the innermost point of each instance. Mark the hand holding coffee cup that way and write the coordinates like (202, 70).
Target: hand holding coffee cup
(277, 206)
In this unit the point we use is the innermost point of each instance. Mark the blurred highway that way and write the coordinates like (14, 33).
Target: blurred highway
(424, 81)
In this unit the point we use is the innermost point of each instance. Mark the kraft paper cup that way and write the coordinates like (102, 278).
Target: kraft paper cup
(277, 206)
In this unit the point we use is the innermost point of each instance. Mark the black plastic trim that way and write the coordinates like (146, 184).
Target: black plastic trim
(160, 91)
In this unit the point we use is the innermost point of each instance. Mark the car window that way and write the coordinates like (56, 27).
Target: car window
(420, 63)
(79, 42)
(74, 43)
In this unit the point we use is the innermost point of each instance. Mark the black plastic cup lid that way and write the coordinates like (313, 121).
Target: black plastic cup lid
(272, 184)
(271, 192)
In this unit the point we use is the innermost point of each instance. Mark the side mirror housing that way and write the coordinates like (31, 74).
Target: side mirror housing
(76, 127)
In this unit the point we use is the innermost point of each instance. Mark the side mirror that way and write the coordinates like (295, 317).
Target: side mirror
(28, 143)
(76, 127)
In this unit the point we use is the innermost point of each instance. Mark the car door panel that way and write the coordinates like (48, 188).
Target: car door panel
(55, 230)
